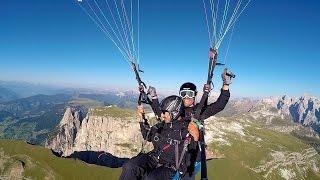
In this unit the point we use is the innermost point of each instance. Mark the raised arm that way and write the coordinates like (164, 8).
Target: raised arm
(217, 106)
(222, 100)
(147, 131)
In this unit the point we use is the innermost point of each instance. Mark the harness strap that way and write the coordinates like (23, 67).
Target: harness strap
(145, 142)
(166, 147)
(146, 139)
(163, 149)
(184, 150)
(176, 153)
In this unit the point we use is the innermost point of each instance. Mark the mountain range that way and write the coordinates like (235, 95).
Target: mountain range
(267, 138)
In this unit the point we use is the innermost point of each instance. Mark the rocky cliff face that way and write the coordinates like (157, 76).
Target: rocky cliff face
(118, 136)
(115, 134)
(304, 110)
(63, 138)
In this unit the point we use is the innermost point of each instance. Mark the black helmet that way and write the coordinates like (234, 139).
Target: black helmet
(188, 86)
(173, 105)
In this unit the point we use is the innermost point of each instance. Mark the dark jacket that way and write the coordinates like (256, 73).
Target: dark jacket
(206, 112)
(163, 137)
(211, 109)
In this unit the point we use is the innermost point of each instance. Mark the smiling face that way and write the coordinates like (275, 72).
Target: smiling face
(166, 117)
(188, 102)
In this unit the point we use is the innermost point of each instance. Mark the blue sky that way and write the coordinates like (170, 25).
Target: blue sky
(274, 51)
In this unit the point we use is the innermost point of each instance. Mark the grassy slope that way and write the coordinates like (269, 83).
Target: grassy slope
(113, 112)
(41, 163)
(242, 155)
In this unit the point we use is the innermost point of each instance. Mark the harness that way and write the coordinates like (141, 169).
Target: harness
(169, 142)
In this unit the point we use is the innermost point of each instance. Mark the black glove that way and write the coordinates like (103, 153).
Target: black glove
(141, 88)
(207, 88)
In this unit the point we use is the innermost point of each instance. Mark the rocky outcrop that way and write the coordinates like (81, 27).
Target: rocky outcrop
(304, 110)
(63, 137)
(11, 168)
(119, 136)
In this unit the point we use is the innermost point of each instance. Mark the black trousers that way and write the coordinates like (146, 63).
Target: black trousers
(144, 167)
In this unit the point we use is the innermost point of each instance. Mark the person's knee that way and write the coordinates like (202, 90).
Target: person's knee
(163, 174)
(133, 169)
(150, 177)
(128, 166)
(127, 171)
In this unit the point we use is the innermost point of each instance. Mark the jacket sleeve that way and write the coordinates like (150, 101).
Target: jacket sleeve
(217, 106)
(155, 105)
(145, 129)
(149, 132)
